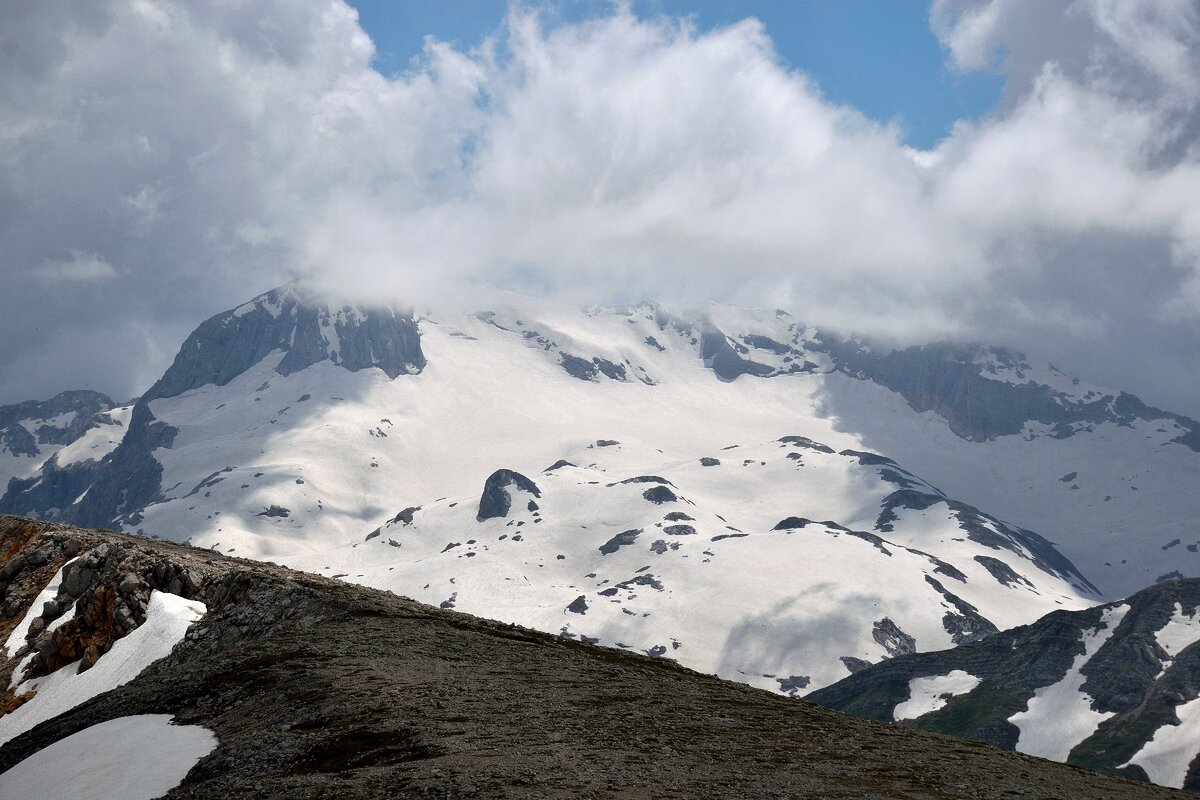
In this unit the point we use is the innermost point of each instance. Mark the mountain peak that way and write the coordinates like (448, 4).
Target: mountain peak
(306, 327)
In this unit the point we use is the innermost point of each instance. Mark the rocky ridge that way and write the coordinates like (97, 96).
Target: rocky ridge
(315, 688)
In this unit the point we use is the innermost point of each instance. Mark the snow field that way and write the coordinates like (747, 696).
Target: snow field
(131, 758)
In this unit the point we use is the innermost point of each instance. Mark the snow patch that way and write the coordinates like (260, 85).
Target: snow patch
(1180, 631)
(167, 619)
(928, 694)
(133, 758)
(1167, 755)
(16, 639)
(1060, 716)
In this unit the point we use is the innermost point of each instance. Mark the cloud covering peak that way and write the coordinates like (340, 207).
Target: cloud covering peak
(166, 160)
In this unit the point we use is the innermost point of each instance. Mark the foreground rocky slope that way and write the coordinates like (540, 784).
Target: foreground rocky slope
(1115, 687)
(315, 688)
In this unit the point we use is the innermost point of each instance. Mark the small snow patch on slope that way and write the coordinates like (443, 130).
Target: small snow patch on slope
(16, 639)
(133, 758)
(1060, 716)
(1167, 755)
(167, 619)
(928, 694)
(1179, 632)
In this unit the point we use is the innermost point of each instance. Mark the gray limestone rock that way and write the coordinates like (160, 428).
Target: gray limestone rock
(496, 499)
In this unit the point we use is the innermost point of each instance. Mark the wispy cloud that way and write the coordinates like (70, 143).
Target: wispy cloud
(80, 266)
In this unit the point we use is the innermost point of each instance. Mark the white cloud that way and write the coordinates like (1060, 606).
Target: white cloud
(214, 150)
(80, 266)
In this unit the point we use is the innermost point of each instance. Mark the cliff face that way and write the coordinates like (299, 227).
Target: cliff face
(317, 688)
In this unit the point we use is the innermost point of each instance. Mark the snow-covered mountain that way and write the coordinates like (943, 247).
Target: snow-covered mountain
(50, 450)
(1115, 688)
(742, 493)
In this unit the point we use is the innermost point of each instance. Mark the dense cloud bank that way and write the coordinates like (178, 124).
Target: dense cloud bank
(163, 160)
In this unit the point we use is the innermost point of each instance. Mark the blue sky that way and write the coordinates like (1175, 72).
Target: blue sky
(879, 56)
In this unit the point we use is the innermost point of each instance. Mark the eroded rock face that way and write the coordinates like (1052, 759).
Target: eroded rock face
(103, 596)
(291, 320)
(496, 499)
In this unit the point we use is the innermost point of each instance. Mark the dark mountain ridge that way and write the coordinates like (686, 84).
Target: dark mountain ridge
(1131, 676)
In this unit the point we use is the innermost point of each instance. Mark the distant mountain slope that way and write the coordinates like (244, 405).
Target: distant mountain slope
(1115, 687)
(32, 431)
(784, 564)
(50, 451)
(291, 685)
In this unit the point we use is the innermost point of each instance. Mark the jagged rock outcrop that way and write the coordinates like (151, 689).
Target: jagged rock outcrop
(496, 499)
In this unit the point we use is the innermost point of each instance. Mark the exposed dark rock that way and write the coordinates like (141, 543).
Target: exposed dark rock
(721, 357)
(792, 685)
(805, 442)
(405, 517)
(586, 370)
(647, 479)
(659, 495)
(1001, 571)
(619, 541)
(645, 579)
(766, 343)
(88, 408)
(18, 441)
(968, 625)
(496, 499)
(987, 531)
(709, 461)
(578, 367)
(1129, 676)
(274, 511)
(558, 465)
(295, 322)
(50, 491)
(854, 664)
(791, 523)
(678, 516)
(679, 530)
(895, 641)
(578, 605)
